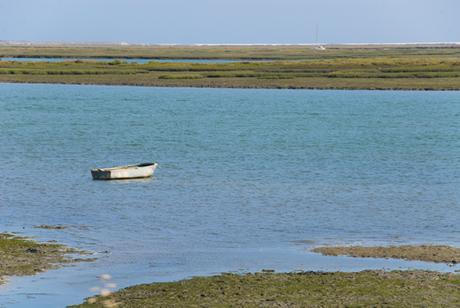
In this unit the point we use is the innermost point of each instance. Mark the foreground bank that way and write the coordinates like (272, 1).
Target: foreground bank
(308, 289)
(363, 289)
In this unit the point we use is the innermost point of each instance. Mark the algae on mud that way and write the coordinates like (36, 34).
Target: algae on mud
(310, 289)
(20, 256)
(428, 253)
(51, 227)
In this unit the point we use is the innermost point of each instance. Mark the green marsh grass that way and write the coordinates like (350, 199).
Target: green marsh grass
(341, 68)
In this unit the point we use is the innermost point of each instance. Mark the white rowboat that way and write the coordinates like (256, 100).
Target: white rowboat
(124, 172)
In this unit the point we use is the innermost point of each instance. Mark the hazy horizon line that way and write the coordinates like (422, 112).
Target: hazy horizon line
(24, 42)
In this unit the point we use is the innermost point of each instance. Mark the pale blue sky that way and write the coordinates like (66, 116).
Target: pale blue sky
(230, 21)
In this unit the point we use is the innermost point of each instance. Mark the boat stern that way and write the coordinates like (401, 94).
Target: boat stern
(98, 174)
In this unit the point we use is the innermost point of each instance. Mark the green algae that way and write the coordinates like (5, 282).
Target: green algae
(429, 253)
(310, 289)
(20, 256)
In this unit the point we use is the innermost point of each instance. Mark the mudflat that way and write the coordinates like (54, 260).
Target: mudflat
(310, 289)
(20, 256)
(430, 253)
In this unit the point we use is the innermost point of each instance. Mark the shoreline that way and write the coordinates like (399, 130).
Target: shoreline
(236, 87)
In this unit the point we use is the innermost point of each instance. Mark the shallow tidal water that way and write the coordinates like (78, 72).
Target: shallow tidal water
(248, 180)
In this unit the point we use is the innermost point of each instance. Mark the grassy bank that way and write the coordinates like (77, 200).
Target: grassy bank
(363, 289)
(20, 256)
(415, 72)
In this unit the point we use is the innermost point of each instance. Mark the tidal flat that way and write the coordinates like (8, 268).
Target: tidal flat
(428, 253)
(308, 289)
(20, 256)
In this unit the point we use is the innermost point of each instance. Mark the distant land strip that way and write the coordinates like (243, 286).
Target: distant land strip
(235, 52)
(291, 67)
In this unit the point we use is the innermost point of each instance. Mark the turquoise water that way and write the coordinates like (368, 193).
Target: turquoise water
(131, 60)
(248, 179)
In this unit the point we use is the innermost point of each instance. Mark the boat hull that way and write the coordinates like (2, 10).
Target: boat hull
(124, 172)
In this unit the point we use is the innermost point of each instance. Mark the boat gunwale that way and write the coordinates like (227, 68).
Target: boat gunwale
(141, 165)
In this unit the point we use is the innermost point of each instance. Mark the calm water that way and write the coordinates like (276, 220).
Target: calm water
(245, 176)
(133, 60)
